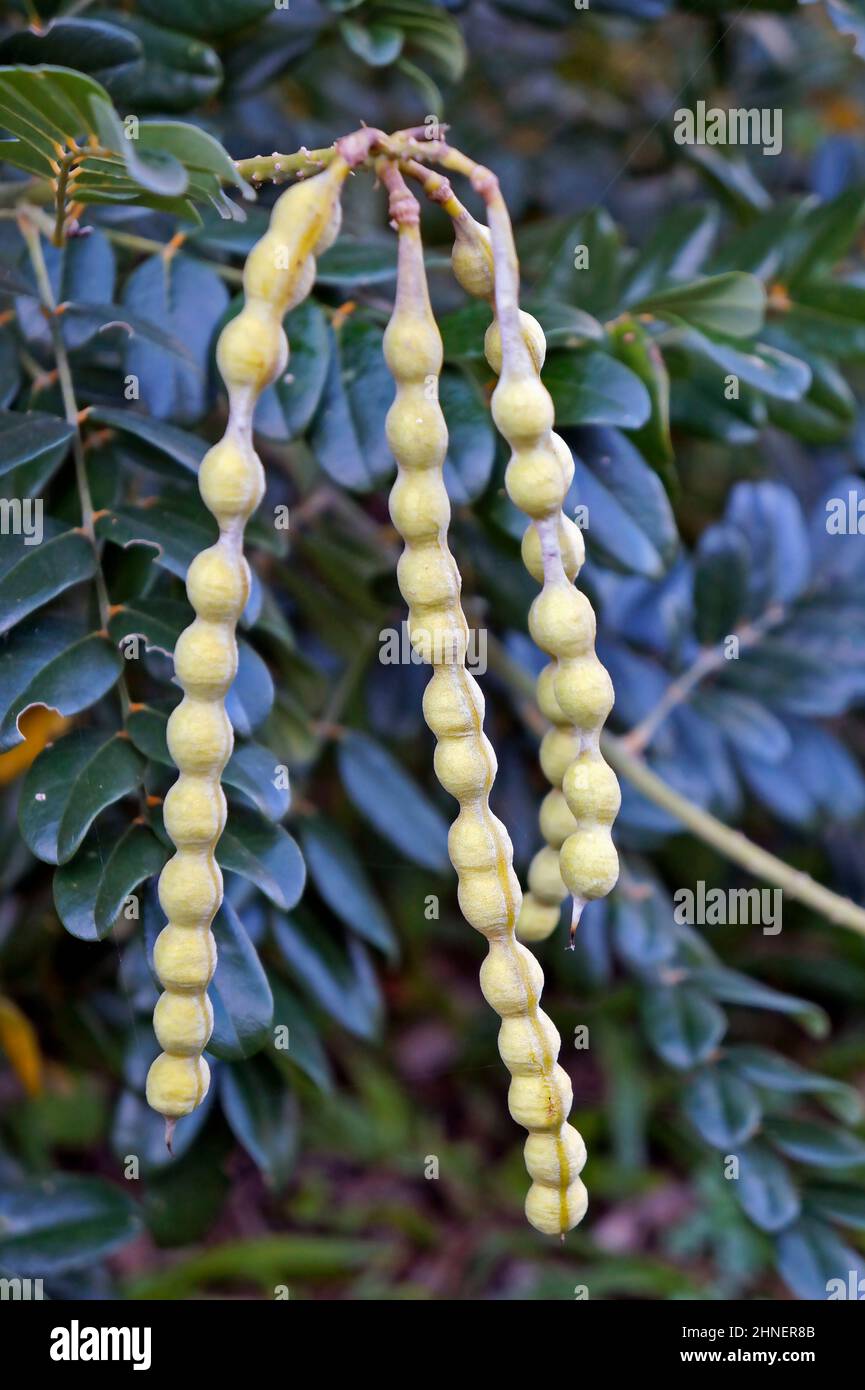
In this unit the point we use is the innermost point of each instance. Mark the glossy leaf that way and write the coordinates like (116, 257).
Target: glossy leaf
(62, 1222)
(392, 802)
(69, 785)
(240, 993)
(341, 880)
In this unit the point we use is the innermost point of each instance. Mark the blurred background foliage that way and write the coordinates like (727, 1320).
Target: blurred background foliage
(313, 1168)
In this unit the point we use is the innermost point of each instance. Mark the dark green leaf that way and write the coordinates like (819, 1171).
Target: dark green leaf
(240, 994)
(472, 442)
(392, 802)
(348, 436)
(263, 1116)
(91, 890)
(722, 1107)
(46, 661)
(341, 880)
(732, 304)
(265, 854)
(32, 438)
(816, 1264)
(731, 987)
(62, 1222)
(682, 1024)
(820, 1145)
(765, 1189)
(34, 570)
(341, 982)
(592, 388)
(68, 786)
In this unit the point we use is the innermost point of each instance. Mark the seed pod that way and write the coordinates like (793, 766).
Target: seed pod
(574, 691)
(478, 844)
(251, 352)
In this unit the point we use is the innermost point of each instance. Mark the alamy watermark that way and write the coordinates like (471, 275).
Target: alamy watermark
(729, 907)
(433, 647)
(712, 125)
(22, 517)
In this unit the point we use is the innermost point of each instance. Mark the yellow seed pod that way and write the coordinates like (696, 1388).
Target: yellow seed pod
(550, 1214)
(183, 1023)
(546, 1154)
(251, 352)
(452, 709)
(533, 336)
(546, 694)
(565, 457)
(472, 257)
(194, 811)
(190, 890)
(231, 480)
(416, 431)
(545, 881)
(571, 547)
(205, 659)
(176, 1085)
(589, 863)
(556, 818)
(184, 958)
(412, 351)
(534, 482)
(199, 736)
(471, 838)
(522, 410)
(537, 920)
(559, 747)
(486, 899)
(592, 791)
(541, 1103)
(331, 231)
(217, 583)
(527, 1047)
(584, 691)
(561, 621)
(511, 979)
(419, 506)
(428, 575)
(465, 766)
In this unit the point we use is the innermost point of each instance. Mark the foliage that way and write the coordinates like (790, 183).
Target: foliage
(707, 518)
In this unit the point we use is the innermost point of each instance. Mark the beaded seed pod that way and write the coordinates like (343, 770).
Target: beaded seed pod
(540, 1094)
(251, 353)
(576, 689)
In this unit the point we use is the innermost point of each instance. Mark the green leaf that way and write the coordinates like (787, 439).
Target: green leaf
(210, 18)
(723, 562)
(392, 802)
(722, 1107)
(348, 437)
(767, 369)
(48, 661)
(94, 46)
(240, 993)
(192, 147)
(250, 699)
(158, 621)
(285, 410)
(263, 1115)
(377, 44)
(185, 298)
(299, 1045)
(69, 785)
(820, 1145)
(577, 260)
(733, 304)
(175, 72)
(834, 1202)
(266, 855)
(683, 1025)
(631, 526)
(821, 236)
(62, 1222)
(357, 263)
(341, 880)
(33, 438)
(254, 770)
(155, 170)
(816, 1264)
(471, 438)
(676, 249)
(828, 318)
(186, 449)
(638, 351)
(31, 574)
(776, 1073)
(90, 891)
(342, 983)
(734, 988)
(592, 388)
(764, 1188)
